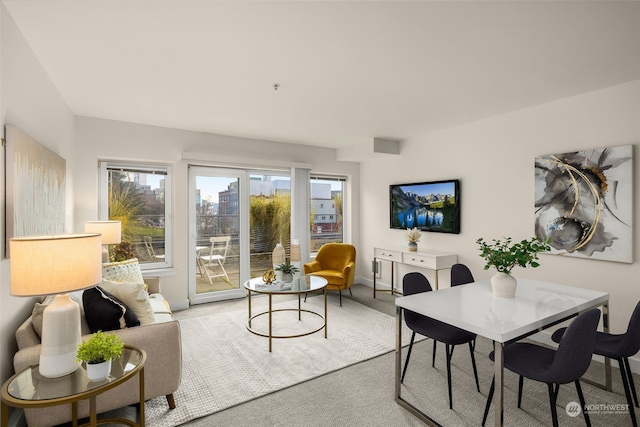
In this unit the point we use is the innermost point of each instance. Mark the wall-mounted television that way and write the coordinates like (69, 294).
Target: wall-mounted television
(428, 206)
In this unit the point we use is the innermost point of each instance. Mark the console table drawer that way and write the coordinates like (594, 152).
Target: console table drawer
(433, 262)
(388, 254)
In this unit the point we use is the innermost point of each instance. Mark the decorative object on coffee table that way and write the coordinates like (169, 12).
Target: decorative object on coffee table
(269, 276)
(287, 270)
(413, 235)
(503, 255)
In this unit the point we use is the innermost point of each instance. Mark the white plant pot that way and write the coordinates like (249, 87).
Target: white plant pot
(503, 285)
(98, 371)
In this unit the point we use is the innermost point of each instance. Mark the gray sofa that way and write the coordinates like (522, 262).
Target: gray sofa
(160, 340)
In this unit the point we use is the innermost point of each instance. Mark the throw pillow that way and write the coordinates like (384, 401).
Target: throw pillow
(123, 271)
(37, 314)
(105, 312)
(134, 295)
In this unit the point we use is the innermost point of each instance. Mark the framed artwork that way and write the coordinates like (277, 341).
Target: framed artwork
(584, 203)
(36, 183)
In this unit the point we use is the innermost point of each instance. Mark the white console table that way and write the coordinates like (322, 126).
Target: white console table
(431, 260)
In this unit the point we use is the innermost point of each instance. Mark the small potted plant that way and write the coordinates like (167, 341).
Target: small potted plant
(413, 235)
(287, 270)
(97, 352)
(503, 255)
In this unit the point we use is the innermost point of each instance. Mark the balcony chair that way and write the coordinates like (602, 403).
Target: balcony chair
(211, 260)
(148, 243)
(414, 283)
(619, 347)
(562, 366)
(336, 262)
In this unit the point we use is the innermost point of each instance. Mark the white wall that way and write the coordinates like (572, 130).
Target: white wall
(494, 159)
(105, 139)
(29, 100)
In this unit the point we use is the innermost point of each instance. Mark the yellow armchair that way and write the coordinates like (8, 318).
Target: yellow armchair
(336, 262)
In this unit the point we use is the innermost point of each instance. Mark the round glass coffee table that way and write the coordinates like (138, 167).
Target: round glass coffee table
(29, 389)
(299, 286)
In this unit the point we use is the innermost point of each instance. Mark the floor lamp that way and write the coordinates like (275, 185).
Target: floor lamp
(111, 234)
(55, 265)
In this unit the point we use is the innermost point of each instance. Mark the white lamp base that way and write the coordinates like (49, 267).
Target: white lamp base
(105, 253)
(60, 337)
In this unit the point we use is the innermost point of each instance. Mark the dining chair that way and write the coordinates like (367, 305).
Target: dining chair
(414, 283)
(553, 367)
(461, 275)
(619, 347)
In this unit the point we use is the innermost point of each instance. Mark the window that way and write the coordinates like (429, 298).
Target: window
(138, 195)
(326, 210)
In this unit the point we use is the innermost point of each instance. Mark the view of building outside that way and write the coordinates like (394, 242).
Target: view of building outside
(136, 198)
(326, 212)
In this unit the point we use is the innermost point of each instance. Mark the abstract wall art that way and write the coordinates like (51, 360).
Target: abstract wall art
(584, 203)
(36, 182)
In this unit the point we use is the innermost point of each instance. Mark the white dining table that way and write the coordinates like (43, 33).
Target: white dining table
(537, 305)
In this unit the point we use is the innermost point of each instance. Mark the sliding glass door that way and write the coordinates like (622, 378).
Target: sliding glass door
(217, 242)
(236, 219)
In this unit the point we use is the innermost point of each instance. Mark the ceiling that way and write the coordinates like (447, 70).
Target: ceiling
(347, 71)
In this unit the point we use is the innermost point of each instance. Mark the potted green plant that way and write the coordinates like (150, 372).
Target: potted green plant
(504, 255)
(413, 235)
(287, 270)
(97, 352)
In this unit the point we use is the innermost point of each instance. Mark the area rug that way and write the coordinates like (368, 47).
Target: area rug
(225, 365)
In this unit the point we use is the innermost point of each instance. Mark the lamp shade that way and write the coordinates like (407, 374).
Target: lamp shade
(111, 230)
(43, 265)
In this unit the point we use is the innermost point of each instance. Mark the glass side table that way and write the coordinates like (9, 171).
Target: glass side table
(29, 389)
(301, 285)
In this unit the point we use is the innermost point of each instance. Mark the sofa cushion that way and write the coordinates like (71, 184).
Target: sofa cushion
(134, 295)
(123, 271)
(105, 312)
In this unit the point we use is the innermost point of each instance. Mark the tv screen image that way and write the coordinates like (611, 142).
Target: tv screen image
(428, 206)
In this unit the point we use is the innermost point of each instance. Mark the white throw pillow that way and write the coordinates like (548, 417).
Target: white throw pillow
(134, 296)
(123, 271)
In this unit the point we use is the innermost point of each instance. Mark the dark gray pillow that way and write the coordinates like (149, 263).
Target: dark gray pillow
(105, 312)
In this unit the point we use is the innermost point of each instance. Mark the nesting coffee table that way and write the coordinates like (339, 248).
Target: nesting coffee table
(299, 286)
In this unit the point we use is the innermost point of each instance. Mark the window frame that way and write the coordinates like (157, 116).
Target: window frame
(103, 201)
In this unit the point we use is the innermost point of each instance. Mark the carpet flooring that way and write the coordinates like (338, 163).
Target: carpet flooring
(225, 365)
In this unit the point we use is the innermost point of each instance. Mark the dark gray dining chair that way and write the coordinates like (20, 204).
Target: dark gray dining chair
(414, 283)
(619, 347)
(461, 275)
(553, 367)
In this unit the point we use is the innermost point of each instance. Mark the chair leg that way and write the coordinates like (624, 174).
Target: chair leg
(473, 363)
(627, 392)
(406, 362)
(630, 378)
(556, 391)
(351, 293)
(449, 350)
(433, 357)
(552, 402)
(520, 384)
(340, 292)
(305, 297)
(489, 399)
(582, 403)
